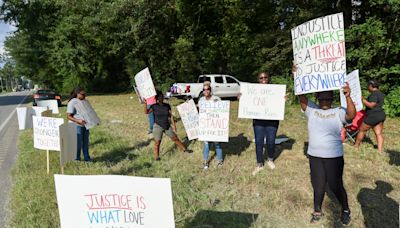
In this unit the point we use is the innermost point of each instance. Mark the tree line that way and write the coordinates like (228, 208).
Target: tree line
(102, 44)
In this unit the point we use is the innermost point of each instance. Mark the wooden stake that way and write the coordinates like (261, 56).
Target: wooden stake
(62, 170)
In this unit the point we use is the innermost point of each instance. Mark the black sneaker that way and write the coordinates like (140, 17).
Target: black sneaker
(188, 151)
(316, 216)
(345, 218)
(219, 164)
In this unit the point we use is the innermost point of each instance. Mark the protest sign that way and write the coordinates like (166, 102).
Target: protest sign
(319, 53)
(214, 121)
(87, 112)
(103, 201)
(262, 101)
(37, 111)
(145, 84)
(46, 133)
(355, 94)
(50, 104)
(24, 117)
(190, 118)
(68, 143)
(141, 100)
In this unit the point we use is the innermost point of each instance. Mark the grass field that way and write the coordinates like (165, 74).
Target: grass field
(225, 197)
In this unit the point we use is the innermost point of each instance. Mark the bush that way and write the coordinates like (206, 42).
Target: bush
(392, 103)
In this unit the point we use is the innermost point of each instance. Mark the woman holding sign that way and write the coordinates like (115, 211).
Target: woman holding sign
(207, 96)
(73, 115)
(375, 115)
(264, 133)
(162, 124)
(325, 148)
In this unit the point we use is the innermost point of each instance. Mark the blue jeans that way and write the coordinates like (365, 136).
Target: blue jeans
(265, 133)
(150, 116)
(206, 150)
(83, 143)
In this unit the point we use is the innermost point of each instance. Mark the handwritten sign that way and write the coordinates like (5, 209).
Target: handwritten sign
(87, 112)
(46, 133)
(354, 83)
(262, 101)
(103, 201)
(190, 118)
(214, 121)
(141, 100)
(50, 104)
(37, 111)
(319, 52)
(145, 84)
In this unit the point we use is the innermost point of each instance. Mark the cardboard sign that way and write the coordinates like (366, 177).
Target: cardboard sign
(141, 100)
(50, 104)
(145, 84)
(190, 118)
(262, 101)
(320, 55)
(84, 108)
(214, 121)
(37, 111)
(24, 117)
(354, 83)
(46, 133)
(114, 201)
(69, 143)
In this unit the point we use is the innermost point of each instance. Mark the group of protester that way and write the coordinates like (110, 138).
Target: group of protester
(325, 148)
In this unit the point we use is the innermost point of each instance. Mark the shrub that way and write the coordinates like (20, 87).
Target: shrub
(392, 103)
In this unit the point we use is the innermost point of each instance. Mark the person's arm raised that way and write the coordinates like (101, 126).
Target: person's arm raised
(351, 109)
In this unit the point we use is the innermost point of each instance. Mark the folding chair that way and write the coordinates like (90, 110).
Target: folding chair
(350, 131)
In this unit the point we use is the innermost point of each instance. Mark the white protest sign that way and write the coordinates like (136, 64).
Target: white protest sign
(68, 143)
(50, 104)
(214, 121)
(190, 118)
(320, 55)
(145, 84)
(354, 83)
(114, 201)
(262, 101)
(84, 109)
(37, 111)
(24, 117)
(141, 100)
(46, 133)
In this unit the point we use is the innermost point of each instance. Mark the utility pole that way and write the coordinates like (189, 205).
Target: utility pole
(1, 82)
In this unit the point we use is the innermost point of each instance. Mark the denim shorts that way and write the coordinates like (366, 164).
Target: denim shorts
(158, 132)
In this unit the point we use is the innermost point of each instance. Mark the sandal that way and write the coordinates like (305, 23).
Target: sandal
(316, 216)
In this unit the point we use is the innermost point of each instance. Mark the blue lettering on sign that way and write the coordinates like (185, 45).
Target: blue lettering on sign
(104, 217)
(319, 82)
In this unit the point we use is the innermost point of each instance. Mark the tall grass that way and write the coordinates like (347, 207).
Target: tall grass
(220, 197)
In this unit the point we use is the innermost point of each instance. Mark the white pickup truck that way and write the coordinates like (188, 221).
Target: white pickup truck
(221, 86)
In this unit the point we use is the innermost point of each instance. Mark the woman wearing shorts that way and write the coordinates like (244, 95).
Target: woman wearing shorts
(162, 116)
(375, 115)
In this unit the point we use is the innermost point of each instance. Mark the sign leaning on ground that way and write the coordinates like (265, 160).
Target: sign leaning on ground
(84, 108)
(214, 121)
(46, 133)
(354, 83)
(190, 118)
(320, 55)
(262, 101)
(114, 201)
(145, 84)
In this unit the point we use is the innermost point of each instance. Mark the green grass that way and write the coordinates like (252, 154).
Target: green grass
(225, 197)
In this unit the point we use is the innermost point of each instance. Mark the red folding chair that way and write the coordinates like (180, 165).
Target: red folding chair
(350, 131)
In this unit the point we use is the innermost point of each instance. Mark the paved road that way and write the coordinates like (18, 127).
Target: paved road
(8, 144)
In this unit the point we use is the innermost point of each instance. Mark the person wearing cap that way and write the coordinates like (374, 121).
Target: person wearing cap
(325, 148)
(374, 117)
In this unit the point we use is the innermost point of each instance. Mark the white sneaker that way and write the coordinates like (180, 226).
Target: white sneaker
(271, 164)
(257, 169)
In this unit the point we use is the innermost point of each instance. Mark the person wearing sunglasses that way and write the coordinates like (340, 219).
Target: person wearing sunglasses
(264, 133)
(207, 96)
(374, 117)
(325, 148)
(74, 116)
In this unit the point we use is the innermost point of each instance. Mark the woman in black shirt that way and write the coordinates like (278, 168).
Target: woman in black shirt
(164, 123)
(375, 115)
